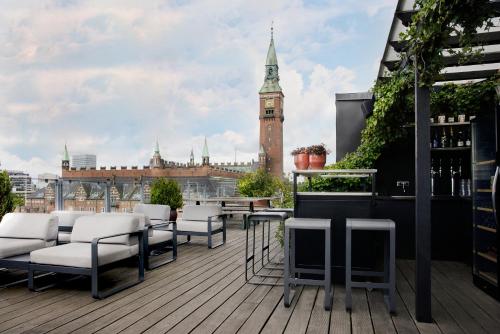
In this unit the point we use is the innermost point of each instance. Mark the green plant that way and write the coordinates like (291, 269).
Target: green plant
(258, 184)
(299, 150)
(7, 200)
(167, 192)
(318, 149)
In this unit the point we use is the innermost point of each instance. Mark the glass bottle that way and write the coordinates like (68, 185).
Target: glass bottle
(451, 140)
(460, 139)
(435, 140)
(444, 139)
(467, 139)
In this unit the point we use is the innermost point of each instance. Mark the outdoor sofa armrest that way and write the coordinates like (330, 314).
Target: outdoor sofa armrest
(95, 243)
(165, 224)
(223, 215)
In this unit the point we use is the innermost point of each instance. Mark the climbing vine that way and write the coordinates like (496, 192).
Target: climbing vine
(426, 41)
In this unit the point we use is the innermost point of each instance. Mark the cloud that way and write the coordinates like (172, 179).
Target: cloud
(111, 77)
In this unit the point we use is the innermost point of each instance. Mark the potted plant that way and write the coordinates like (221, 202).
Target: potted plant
(167, 192)
(317, 156)
(301, 158)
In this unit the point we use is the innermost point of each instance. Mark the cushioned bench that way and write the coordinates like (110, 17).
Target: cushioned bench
(203, 220)
(162, 234)
(98, 244)
(66, 221)
(21, 233)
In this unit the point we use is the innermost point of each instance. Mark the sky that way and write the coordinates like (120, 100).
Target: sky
(111, 77)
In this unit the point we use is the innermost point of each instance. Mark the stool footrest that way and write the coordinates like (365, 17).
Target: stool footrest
(367, 273)
(370, 285)
(305, 281)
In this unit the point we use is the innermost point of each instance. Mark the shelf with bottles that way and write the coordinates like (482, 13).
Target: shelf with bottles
(489, 276)
(489, 255)
(448, 138)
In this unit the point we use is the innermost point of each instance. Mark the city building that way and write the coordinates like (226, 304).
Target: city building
(21, 182)
(271, 116)
(83, 161)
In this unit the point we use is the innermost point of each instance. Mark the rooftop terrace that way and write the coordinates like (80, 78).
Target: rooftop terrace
(205, 292)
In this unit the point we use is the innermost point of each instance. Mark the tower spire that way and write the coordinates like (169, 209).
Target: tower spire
(157, 147)
(205, 159)
(271, 81)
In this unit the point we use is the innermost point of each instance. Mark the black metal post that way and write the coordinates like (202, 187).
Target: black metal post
(422, 203)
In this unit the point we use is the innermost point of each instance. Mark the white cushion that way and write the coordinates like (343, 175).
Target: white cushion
(68, 218)
(64, 237)
(196, 226)
(41, 226)
(143, 219)
(201, 212)
(160, 236)
(89, 227)
(157, 213)
(13, 247)
(78, 254)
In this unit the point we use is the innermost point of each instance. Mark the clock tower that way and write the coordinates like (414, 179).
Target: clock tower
(271, 116)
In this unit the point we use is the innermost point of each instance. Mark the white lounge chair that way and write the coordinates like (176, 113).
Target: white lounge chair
(162, 233)
(98, 243)
(66, 221)
(21, 233)
(203, 220)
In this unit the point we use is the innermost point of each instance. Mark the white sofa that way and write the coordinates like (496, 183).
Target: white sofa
(21, 233)
(162, 233)
(98, 243)
(203, 220)
(66, 221)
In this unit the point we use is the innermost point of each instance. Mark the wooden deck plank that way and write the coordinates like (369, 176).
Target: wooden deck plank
(340, 320)
(360, 313)
(320, 318)
(302, 312)
(407, 295)
(381, 318)
(281, 315)
(402, 319)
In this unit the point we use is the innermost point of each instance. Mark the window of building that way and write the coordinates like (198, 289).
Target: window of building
(269, 112)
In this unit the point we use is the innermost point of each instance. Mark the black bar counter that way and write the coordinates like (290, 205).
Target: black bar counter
(451, 225)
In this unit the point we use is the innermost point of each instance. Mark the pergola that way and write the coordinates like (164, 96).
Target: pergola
(478, 69)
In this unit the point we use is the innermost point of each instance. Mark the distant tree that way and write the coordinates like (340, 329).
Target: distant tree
(7, 198)
(167, 192)
(258, 184)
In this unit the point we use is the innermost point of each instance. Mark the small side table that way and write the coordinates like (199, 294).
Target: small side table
(289, 275)
(253, 219)
(389, 273)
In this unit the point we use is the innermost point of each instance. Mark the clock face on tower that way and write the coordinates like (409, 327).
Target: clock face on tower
(269, 103)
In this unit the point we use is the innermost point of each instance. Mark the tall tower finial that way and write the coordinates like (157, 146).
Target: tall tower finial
(272, 29)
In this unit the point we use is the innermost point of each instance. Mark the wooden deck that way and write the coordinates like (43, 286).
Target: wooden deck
(204, 291)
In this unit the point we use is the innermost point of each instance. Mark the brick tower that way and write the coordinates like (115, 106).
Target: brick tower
(271, 115)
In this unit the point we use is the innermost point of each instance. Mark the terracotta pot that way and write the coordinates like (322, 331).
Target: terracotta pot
(173, 215)
(301, 161)
(317, 161)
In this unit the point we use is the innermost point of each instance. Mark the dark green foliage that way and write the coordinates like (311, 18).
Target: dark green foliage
(167, 192)
(7, 198)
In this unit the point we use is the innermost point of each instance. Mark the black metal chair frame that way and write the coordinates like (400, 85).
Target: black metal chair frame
(20, 261)
(210, 232)
(63, 229)
(170, 245)
(95, 269)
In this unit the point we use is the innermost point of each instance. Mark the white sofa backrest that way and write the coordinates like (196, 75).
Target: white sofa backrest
(201, 212)
(68, 218)
(154, 211)
(87, 228)
(41, 226)
(143, 219)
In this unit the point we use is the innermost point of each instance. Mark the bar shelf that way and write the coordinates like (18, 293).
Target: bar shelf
(489, 277)
(487, 256)
(490, 210)
(444, 149)
(486, 228)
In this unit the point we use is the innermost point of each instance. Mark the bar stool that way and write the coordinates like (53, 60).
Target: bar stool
(290, 272)
(252, 220)
(389, 273)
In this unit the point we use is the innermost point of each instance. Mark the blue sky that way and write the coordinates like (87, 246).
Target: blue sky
(109, 77)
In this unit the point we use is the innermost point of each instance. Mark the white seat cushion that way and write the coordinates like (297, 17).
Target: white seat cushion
(64, 237)
(78, 254)
(41, 226)
(68, 218)
(160, 236)
(13, 247)
(196, 226)
(89, 227)
(201, 212)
